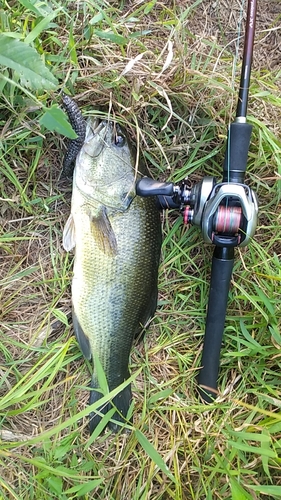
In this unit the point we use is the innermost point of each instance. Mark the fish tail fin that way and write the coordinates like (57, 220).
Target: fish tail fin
(122, 403)
(94, 417)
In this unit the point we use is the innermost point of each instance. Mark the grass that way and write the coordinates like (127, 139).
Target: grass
(167, 69)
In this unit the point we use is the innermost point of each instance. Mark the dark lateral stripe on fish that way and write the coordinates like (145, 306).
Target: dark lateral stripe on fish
(79, 126)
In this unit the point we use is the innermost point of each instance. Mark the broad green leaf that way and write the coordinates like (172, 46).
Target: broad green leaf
(18, 276)
(55, 119)
(101, 426)
(251, 436)
(160, 395)
(97, 18)
(23, 59)
(31, 377)
(10, 34)
(41, 26)
(274, 330)
(61, 316)
(237, 491)
(252, 449)
(274, 427)
(137, 34)
(112, 37)
(264, 458)
(55, 485)
(72, 47)
(39, 8)
(265, 300)
(83, 489)
(100, 375)
(209, 495)
(153, 454)
(248, 336)
(149, 6)
(274, 491)
(42, 464)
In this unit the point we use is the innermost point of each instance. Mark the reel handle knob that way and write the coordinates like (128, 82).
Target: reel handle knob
(149, 187)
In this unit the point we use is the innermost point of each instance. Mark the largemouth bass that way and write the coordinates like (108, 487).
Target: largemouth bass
(117, 240)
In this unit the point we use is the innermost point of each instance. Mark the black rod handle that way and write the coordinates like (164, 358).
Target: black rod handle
(236, 154)
(222, 265)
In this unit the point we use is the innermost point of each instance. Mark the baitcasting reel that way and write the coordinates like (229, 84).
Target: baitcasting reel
(226, 212)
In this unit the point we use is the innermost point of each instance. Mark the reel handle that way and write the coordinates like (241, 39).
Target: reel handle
(149, 187)
(168, 195)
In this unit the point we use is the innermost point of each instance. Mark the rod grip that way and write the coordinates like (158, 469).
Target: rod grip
(236, 155)
(222, 265)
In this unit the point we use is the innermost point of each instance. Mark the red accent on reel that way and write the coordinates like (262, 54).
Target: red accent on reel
(187, 215)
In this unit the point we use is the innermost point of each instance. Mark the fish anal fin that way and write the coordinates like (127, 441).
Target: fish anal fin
(103, 233)
(68, 239)
(81, 337)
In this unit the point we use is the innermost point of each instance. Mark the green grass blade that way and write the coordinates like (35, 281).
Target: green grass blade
(27, 63)
(41, 26)
(237, 491)
(153, 454)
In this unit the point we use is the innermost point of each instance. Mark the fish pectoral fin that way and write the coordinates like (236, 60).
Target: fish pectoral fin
(81, 338)
(68, 239)
(103, 233)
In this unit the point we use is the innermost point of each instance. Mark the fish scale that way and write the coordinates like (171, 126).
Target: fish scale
(117, 239)
(101, 295)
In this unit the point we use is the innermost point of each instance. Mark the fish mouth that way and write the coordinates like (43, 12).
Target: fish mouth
(106, 143)
(109, 132)
(98, 124)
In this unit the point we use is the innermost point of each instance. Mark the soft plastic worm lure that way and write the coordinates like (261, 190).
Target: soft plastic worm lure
(79, 126)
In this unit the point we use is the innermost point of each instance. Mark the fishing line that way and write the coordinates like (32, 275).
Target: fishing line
(239, 25)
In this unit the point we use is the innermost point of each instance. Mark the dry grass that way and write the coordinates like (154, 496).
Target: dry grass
(176, 100)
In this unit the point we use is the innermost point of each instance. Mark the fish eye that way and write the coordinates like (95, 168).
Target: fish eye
(120, 140)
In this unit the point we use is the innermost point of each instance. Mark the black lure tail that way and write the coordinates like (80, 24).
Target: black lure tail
(122, 403)
(79, 126)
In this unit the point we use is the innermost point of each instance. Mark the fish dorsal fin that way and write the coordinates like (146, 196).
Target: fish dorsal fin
(68, 239)
(103, 233)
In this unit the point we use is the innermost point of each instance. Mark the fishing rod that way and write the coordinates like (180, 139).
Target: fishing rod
(226, 212)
